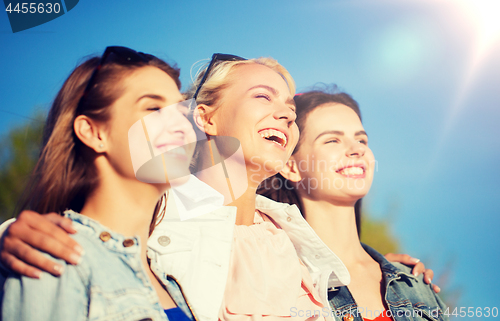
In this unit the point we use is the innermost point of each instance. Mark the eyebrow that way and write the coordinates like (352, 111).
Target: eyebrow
(361, 132)
(275, 92)
(158, 97)
(152, 96)
(340, 133)
(271, 89)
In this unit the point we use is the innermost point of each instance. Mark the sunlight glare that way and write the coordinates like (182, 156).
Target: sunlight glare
(485, 14)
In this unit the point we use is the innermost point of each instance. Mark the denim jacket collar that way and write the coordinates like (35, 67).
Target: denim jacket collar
(119, 243)
(111, 240)
(390, 271)
(406, 296)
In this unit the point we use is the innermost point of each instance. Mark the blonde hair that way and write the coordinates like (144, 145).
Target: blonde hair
(220, 77)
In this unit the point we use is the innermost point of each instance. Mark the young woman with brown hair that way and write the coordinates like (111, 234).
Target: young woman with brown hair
(330, 171)
(85, 170)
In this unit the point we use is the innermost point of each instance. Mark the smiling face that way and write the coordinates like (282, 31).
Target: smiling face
(146, 91)
(258, 110)
(334, 160)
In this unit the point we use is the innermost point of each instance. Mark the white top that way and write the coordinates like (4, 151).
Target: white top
(197, 251)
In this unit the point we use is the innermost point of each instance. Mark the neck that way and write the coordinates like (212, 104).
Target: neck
(226, 178)
(242, 197)
(245, 205)
(125, 206)
(335, 224)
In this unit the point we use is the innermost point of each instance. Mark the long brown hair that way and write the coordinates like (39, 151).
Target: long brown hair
(65, 174)
(279, 188)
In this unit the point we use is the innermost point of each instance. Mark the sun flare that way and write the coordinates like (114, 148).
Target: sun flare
(485, 16)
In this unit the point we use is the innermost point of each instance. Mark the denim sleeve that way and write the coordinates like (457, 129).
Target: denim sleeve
(442, 306)
(46, 299)
(3, 228)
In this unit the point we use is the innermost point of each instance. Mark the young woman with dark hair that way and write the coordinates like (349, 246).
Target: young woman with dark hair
(330, 171)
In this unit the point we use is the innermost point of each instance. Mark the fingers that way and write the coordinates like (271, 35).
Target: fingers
(418, 269)
(428, 276)
(20, 267)
(40, 232)
(402, 258)
(32, 233)
(25, 260)
(62, 222)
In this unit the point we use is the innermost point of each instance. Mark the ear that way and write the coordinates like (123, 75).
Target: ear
(202, 121)
(291, 171)
(90, 133)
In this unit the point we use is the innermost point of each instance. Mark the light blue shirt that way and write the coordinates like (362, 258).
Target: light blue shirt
(109, 284)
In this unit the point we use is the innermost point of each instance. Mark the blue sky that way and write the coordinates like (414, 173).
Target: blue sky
(426, 83)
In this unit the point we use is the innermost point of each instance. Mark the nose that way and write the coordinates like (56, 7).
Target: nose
(283, 112)
(176, 122)
(356, 149)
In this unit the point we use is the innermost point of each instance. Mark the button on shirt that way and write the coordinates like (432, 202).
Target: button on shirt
(110, 283)
(198, 253)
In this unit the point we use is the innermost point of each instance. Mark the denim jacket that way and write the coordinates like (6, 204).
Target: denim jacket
(406, 296)
(109, 284)
(197, 251)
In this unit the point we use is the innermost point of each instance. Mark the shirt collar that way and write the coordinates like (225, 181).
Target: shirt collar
(311, 249)
(192, 199)
(111, 240)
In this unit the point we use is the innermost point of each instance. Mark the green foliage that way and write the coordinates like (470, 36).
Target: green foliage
(378, 234)
(19, 151)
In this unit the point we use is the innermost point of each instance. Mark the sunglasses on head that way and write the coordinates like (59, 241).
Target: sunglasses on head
(116, 54)
(215, 57)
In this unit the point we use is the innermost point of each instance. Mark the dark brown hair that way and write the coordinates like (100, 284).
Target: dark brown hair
(279, 188)
(65, 174)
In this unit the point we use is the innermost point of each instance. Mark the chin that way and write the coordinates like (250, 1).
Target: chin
(356, 195)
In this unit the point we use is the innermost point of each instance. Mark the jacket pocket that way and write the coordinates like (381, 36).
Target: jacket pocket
(425, 312)
(121, 304)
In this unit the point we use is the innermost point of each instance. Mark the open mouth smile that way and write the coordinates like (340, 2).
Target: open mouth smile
(353, 171)
(172, 149)
(275, 136)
